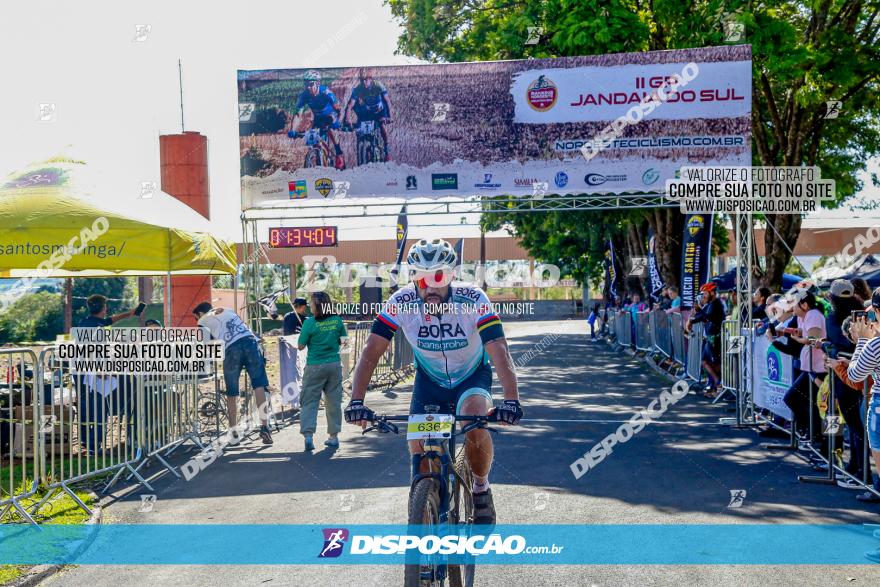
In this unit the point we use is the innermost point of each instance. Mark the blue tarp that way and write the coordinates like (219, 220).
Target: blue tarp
(727, 281)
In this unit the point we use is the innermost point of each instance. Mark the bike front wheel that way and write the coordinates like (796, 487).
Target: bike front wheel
(424, 510)
(462, 513)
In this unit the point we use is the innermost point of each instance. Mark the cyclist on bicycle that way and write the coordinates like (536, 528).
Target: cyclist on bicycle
(369, 100)
(325, 111)
(454, 333)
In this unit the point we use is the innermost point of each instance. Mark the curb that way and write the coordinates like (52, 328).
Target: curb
(40, 573)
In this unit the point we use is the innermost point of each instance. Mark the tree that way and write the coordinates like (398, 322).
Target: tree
(803, 55)
(121, 293)
(33, 317)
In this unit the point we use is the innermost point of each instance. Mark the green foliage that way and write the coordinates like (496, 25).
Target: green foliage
(33, 317)
(803, 53)
(121, 293)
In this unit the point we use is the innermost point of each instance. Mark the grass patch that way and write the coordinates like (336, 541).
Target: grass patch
(61, 509)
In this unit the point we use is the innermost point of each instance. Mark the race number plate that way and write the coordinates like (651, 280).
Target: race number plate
(425, 426)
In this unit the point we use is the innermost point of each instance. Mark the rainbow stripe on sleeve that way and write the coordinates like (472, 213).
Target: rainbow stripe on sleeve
(487, 321)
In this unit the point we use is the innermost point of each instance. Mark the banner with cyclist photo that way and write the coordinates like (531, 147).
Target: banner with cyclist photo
(568, 125)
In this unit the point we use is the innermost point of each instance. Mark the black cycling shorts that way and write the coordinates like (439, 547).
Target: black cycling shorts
(427, 392)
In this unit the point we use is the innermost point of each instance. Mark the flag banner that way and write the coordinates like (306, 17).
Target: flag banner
(400, 235)
(566, 125)
(459, 252)
(612, 275)
(696, 253)
(655, 280)
(268, 302)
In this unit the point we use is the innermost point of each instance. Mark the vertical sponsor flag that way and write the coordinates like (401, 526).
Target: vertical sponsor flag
(402, 230)
(656, 281)
(612, 276)
(459, 252)
(696, 252)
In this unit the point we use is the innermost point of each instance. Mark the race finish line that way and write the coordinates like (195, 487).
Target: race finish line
(602, 544)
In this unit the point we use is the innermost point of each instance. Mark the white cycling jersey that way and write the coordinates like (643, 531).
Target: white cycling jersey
(448, 347)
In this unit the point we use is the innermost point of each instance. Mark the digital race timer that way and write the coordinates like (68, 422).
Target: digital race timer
(303, 236)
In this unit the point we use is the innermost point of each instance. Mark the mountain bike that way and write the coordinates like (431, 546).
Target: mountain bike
(320, 153)
(440, 500)
(370, 146)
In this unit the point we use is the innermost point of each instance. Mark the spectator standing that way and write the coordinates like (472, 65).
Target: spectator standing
(674, 300)
(240, 352)
(711, 312)
(594, 315)
(843, 304)
(759, 303)
(291, 360)
(800, 396)
(866, 361)
(323, 333)
(94, 397)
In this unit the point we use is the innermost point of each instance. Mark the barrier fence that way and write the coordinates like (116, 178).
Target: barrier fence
(59, 428)
(753, 372)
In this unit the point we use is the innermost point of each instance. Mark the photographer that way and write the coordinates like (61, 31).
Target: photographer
(843, 304)
(866, 362)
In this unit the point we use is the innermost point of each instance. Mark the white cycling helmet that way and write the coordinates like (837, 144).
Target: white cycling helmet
(432, 255)
(312, 75)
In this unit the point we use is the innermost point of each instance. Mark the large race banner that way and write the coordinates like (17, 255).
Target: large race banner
(772, 376)
(569, 125)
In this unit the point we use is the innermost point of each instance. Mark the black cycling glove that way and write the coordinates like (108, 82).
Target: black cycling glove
(509, 412)
(356, 411)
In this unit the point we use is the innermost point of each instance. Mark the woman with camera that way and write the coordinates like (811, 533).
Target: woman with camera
(866, 362)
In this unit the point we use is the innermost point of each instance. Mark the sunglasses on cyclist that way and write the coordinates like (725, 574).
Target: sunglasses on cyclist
(426, 279)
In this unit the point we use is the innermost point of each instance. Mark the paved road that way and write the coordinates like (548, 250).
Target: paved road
(677, 470)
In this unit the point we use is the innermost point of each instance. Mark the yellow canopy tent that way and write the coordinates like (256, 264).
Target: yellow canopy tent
(47, 231)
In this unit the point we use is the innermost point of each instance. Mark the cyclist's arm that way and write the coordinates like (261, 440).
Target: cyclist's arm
(499, 354)
(367, 362)
(387, 99)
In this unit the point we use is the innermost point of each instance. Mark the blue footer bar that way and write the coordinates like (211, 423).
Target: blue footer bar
(221, 544)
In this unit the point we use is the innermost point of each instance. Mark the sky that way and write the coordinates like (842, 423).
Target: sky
(115, 91)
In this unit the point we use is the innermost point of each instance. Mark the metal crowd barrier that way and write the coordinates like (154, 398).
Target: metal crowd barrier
(694, 366)
(610, 328)
(93, 426)
(623, 326)
(730, 371)
(396, 364)
(643, 339)
(661, 333)
(169, 416)
(19, 431)
(676, 335)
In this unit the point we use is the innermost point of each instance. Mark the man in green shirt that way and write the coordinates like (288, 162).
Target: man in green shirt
(323, 334)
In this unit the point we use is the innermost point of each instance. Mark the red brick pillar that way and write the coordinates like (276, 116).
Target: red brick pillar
(183, 160)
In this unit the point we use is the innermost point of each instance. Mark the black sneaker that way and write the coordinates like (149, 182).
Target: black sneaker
(265, 435)
(868, 497)
(484, 508)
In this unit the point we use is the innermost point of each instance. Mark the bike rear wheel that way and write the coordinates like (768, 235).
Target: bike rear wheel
(462, 513)
(424, 510)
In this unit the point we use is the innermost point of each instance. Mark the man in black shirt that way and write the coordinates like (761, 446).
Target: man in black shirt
(711, 313)
(293, 321)
(93, 392)
(290, 363)
(759, 303)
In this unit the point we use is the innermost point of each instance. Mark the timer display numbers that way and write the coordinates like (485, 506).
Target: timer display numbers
(303, 236)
